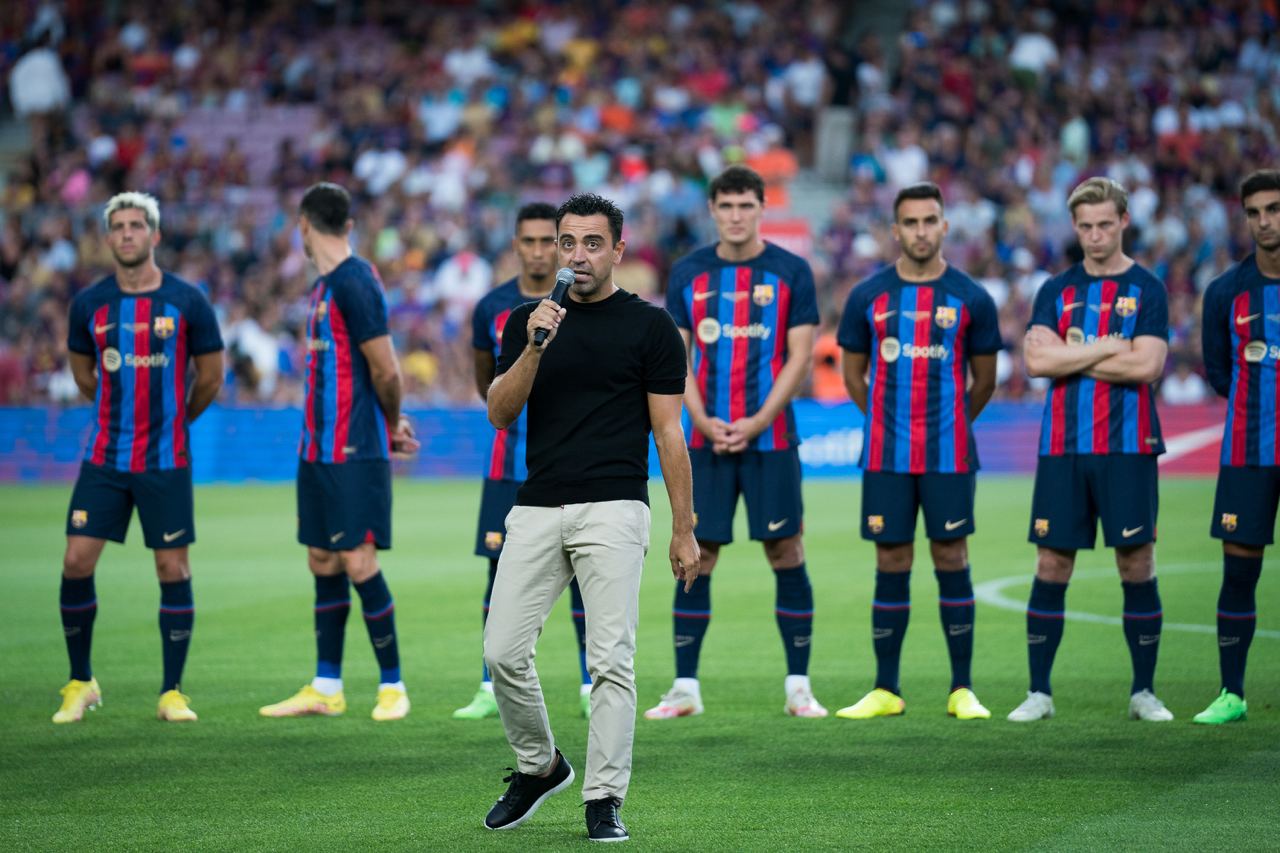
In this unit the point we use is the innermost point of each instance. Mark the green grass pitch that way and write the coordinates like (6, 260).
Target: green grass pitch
(741, 777)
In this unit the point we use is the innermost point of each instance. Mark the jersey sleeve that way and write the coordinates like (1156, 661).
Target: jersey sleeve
(1215, 338)
(1153, 313)
(203, 335)
(363, 306)
(804, 298)
(515, 337)
(675, 299)
(665, 365)
(1044, 311)
(984, 324)
(79, 338)
(854, 333)
(481, 326)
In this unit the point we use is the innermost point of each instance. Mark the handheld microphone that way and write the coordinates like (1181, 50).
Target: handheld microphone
(564, 278)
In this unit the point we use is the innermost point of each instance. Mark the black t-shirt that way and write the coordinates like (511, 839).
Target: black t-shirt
(588, 408)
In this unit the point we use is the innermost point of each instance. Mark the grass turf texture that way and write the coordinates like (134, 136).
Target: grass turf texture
(743, 776)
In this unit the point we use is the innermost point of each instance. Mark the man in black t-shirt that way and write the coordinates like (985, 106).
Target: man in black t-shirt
(616, 371)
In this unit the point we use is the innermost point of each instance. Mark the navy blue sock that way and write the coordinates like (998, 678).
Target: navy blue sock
(691, 614)
(79, 605)
(485, 678)
(579, 614)
(1143, 620)
(380, 619)
(890, 612)
(177, 615)
(1045, 616)
(794, 609)
(1237, 618)
(333, 603)
(955, 604)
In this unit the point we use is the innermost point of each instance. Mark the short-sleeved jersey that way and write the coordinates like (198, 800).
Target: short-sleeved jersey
(739, 315)
(920, 337)
(1241, 336)
(342, 419)
(143, 343)
(507, 460)
(1084, 415)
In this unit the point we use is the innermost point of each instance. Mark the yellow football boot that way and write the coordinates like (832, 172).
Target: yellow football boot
(877, 703)
(78, 697)
(175, 708)
(963, 705)
(306, 702)
(393, 704)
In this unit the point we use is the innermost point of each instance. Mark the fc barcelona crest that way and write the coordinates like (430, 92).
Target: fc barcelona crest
(1042, 527)
(945, 316)
(875, 523)
(493, 540)
(1127, 306)
(322, 308)
(762, 294)
(1229, 521)
(80, 517)
(163, 326)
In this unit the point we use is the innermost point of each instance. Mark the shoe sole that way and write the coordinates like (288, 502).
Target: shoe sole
(609, 840)
(537, 804)
(93, 706)
(676, 716)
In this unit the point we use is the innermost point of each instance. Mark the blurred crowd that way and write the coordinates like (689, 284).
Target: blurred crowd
(443, 119)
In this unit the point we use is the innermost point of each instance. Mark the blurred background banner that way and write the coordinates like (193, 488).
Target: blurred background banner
(238, 444)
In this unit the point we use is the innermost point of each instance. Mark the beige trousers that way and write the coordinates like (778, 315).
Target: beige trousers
(604, 545)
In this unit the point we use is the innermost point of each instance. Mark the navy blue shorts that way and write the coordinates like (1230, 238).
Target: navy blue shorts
(1074, 491)
(103, 500)
(342, 506)
(769, 480)
(497, 499)
(891, 501)
(1244, 508)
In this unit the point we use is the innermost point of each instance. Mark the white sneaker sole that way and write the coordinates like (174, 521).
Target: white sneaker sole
(537, 804)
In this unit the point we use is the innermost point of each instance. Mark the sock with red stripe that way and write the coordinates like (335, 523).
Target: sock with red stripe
(485, 678)
(794, 609)
(1045, 617)
(955, 604)
(890, 613)
(380, 619)
(333, 603)
(579, 613)
(1143, 620)
(1237, 618)
(691, 614)
(78, 602)
(177, 615)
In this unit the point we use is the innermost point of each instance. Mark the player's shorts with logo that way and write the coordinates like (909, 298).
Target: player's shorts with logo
(343, 505)
(891, 501)
(497, 499)
(103, 500)
(1074, 491)
(769, 480)
(1244, 508)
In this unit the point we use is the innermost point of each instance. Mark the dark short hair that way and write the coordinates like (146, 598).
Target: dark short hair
(924, 189)
(327, 207)
(1259, 181)
(737, 179)
(590, 204)
(535, 210)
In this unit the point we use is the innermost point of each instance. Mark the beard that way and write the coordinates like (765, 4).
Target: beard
(131, 263)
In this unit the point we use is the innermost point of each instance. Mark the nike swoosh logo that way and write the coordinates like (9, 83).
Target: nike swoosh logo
(1071, 306)
(777, 525)
(885, 316)
(1148, 639)
(1240, 321)
(952, 525)
(1127, 532)
(169, 537)
(698, 297)
(102, 330)
(335, 537)
(958, 630)
(881, 633)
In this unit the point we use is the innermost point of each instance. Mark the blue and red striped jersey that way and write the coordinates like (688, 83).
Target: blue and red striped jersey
(920, 337)
(507, 452)
(1084, 415)
(1241, 334)
(738, 315)
(342, 419)
(143, 343)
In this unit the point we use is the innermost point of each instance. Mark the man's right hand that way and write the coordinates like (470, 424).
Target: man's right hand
(717, 432)
(546, 316)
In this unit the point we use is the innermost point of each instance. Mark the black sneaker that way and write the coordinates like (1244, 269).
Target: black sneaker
(603, 823)
(526, 793)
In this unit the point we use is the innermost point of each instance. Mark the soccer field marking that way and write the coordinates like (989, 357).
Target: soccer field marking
(1189, 442)
(992, 592)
